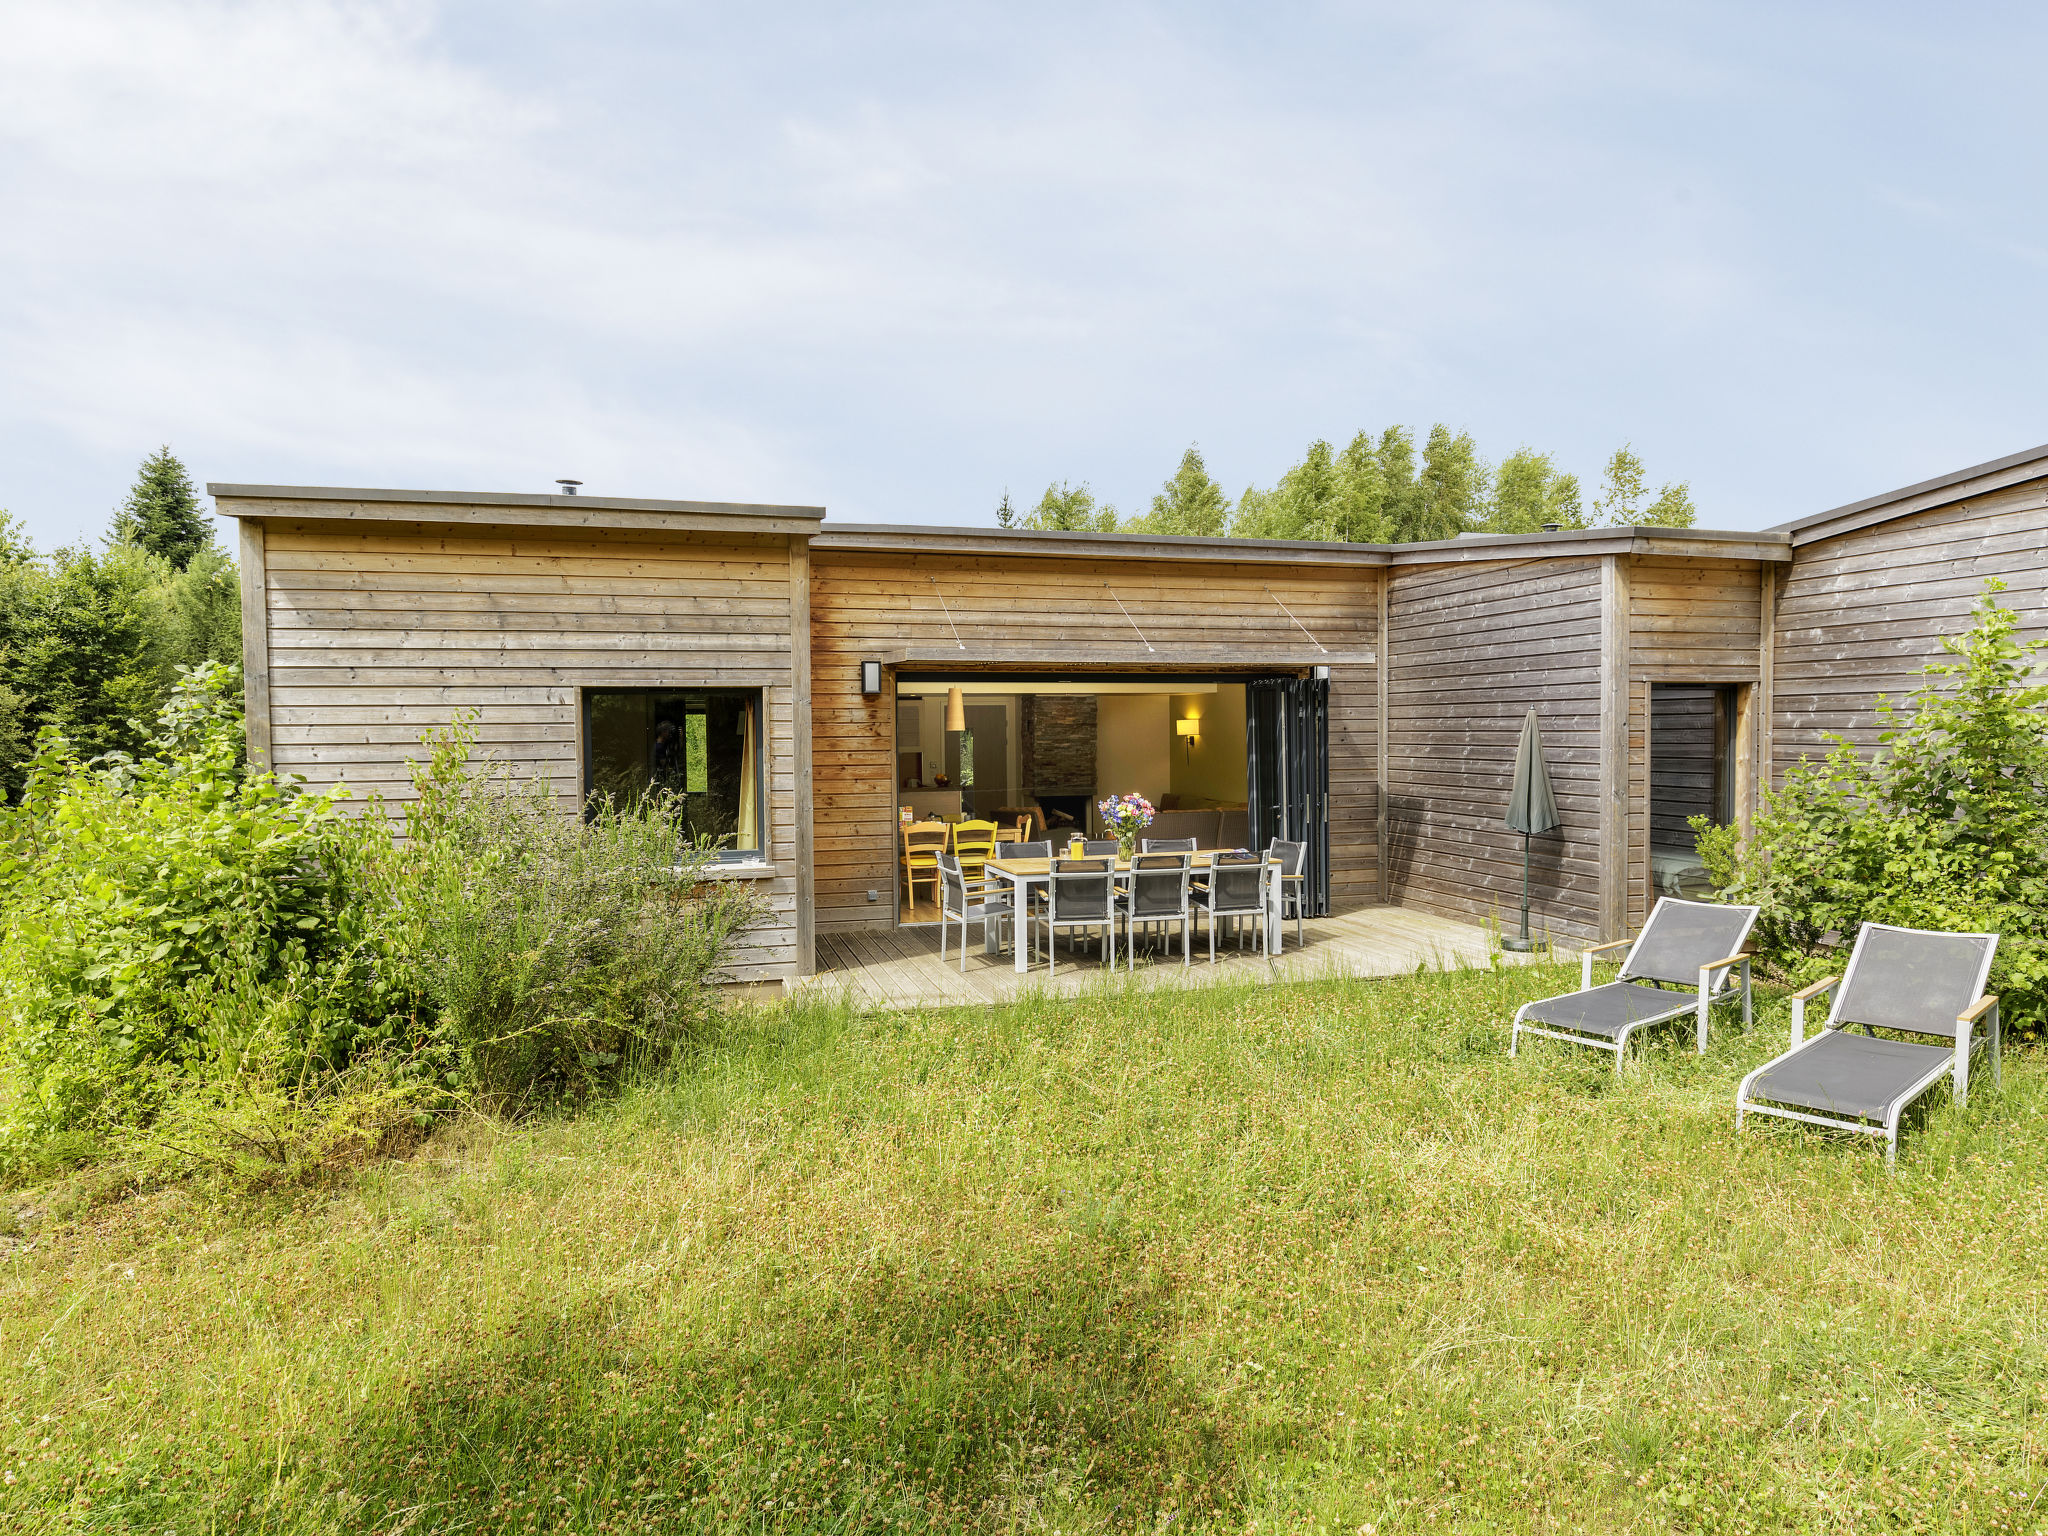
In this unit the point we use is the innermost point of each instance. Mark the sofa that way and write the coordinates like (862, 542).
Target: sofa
(1209, 828)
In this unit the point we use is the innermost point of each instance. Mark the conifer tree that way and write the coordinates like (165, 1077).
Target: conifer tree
(162, 513)
(1191, 504)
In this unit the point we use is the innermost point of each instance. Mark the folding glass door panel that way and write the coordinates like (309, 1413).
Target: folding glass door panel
(1287, 772)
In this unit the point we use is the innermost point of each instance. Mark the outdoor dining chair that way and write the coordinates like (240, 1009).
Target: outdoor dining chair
(974, 844)
(1157, 892)
(1905, 980)
(1695, 946)
(1036, 897)
(1100, 848)
(923, 842)
(1081, 893)
(1293, 857)
(1166, 845)
(1236, 887)
(959, 904)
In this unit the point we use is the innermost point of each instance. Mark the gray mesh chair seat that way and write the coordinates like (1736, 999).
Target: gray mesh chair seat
(1908, 980)
(1695, 946)
(1081, 893)
(1611, 1010)
(1157, 894)
(1857, 1076)
(1236, 888)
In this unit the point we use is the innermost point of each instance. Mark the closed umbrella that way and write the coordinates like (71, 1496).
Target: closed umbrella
(1532, 808)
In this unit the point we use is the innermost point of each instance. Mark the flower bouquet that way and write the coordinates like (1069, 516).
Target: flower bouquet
(1126, 816)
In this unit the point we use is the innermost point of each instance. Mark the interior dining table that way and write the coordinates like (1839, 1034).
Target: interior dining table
(1021, 875)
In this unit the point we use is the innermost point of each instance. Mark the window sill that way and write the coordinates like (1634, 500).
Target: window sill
(747, 869)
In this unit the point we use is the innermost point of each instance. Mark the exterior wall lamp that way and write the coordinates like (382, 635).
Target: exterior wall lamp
(870, 679)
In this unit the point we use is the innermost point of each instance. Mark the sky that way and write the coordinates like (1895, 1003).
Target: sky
(896, 260)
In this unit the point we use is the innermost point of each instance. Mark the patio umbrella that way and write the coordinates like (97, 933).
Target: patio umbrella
(1532, 808)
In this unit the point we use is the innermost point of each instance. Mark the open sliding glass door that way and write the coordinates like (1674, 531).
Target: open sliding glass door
(1287, 772)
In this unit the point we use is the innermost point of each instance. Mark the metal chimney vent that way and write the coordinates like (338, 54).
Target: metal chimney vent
(1553, 527)
(568, 486)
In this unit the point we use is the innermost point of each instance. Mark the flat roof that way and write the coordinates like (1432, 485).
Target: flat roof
(379, 505)
(1707, 543)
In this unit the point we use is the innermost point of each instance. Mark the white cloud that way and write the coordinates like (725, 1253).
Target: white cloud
(895, 260)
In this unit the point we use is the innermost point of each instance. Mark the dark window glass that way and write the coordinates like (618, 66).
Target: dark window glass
(701, 745)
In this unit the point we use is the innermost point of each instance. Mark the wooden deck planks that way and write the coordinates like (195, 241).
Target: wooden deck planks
(900, 967)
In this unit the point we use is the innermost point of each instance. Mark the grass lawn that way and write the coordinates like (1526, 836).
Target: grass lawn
(1316, 1257)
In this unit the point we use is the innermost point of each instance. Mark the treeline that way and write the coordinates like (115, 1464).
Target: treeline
(1376, 490)
(91, 639)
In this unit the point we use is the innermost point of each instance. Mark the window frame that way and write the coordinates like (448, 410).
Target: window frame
(755, 694)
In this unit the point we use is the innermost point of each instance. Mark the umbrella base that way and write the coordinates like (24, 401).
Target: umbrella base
(1521, 946)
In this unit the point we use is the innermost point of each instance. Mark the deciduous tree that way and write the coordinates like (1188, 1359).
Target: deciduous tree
(1068, 508)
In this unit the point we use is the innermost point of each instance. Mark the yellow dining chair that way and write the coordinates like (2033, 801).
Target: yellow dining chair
(923, 842)
(974, 844)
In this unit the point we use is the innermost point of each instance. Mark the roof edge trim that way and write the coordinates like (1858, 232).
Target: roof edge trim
(1918, 497)
(220, 491)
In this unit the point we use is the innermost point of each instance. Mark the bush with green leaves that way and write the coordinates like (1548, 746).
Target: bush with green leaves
(554, 952)
(150, 900)
(1944, 826)
(204, 963)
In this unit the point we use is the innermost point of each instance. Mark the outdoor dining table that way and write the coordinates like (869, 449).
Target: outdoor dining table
(1022, 874)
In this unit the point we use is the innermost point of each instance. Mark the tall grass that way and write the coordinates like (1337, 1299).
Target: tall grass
(1315, 1257)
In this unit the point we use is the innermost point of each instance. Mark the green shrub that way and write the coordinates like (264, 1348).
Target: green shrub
(138, 889)
(1944, 826)
(207, 961)
(554, 952)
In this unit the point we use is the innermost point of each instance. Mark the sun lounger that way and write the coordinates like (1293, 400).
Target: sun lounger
(1905, 980)
(1692, 945)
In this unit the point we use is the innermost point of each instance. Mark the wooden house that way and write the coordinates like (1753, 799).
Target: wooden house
(788, 675)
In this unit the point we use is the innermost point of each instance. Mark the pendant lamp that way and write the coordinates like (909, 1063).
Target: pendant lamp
(956, 710)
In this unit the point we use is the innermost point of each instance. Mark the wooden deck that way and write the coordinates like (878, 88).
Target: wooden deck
(900, 968)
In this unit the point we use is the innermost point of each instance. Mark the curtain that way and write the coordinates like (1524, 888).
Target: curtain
(750, 776)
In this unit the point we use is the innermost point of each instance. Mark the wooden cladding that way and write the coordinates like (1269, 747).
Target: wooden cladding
(1861, 613)
(1470, 649)
(361, 634)
(377, 635)
(1693, 622)
(1007, 612)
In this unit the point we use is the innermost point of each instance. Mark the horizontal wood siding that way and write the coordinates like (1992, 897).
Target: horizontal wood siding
(1694, 621)
(1471, 648)
(380, 634)
(1860, 614)
(1041, 611)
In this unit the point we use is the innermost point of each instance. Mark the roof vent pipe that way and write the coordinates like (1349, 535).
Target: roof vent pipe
(1553, 527)
(568, 486)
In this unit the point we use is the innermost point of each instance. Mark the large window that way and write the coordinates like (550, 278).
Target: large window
(701, 745)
